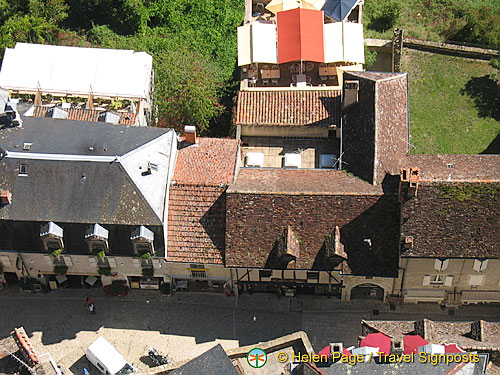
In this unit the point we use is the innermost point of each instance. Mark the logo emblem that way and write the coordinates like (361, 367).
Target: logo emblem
(256, 358)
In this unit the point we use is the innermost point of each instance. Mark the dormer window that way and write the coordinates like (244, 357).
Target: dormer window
(97, 240)
(335, 253)
(142, 240)
(52, 238)
(441, 264)
(288, 247)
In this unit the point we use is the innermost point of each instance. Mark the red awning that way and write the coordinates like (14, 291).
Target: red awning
(379, 340)
(412, 342)
(327, 350)
(300, 35)
(453, 348)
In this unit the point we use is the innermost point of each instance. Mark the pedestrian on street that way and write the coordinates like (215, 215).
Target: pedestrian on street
(88, 301)
(92, 308)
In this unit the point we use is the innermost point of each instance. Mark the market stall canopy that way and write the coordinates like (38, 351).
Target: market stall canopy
(257, 44)
(276, 6)
(338, 10)
(379, 340)
(344, 42)
(412, 342)
(61, 70)
(453, 348)
(300, 35)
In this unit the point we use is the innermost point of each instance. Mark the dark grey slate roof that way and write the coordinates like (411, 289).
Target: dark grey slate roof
(73, 191)
(55, 136)
(213, 362)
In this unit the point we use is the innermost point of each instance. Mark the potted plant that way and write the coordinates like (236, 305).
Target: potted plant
(146, 255)
(101, 254)
(55, 253)
(60, 269)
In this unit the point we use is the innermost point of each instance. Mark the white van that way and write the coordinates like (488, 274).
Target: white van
(107, 359)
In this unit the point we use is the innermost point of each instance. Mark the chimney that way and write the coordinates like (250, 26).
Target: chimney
(190, 133)
(477, 330)
(5, 197)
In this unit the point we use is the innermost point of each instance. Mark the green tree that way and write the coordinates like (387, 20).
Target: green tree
(28, 29)
(54, 11)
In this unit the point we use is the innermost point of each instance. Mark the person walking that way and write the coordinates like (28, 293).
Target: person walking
(92, 308)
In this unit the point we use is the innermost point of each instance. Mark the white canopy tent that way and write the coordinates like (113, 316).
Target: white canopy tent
(257, 43)
(60, 70)
(344, 42)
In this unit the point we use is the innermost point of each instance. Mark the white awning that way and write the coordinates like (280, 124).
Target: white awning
(244, 45)
(354, 49)
(264, 43)
(344, 42)
(257, 43)
(61, 70)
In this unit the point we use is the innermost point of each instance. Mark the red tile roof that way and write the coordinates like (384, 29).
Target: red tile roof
(288, 107)
(87, 115)
(211, 162)
(197, 202)
(301, 181)
(456, 168)
(196, 224)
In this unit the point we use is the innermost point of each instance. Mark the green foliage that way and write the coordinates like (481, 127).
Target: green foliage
(469, 192)
(145, 255)
(56, 253)
(471, 21)
(148, 272)
(116, 104)
(382, 15)
(54, 11)
(28, 29)
(104, 271)
(101, 254)
(482, 26)
(60, 269)
(370, 57)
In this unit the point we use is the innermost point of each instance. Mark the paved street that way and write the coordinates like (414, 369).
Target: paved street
(185, 325)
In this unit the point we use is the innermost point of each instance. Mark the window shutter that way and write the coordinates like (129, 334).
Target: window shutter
(477, 265)
(444, 264)
(5, 261)
(484, 264)
(437, 265)
(67, 261)
(427, 280)
(448, 280)
(112, 262)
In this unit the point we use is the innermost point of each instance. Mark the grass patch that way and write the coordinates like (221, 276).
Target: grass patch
(454, 104)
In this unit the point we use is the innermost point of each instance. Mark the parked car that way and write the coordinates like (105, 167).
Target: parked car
(107, 359)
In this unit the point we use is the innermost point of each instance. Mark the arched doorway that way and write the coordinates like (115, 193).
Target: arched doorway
(367, 291)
